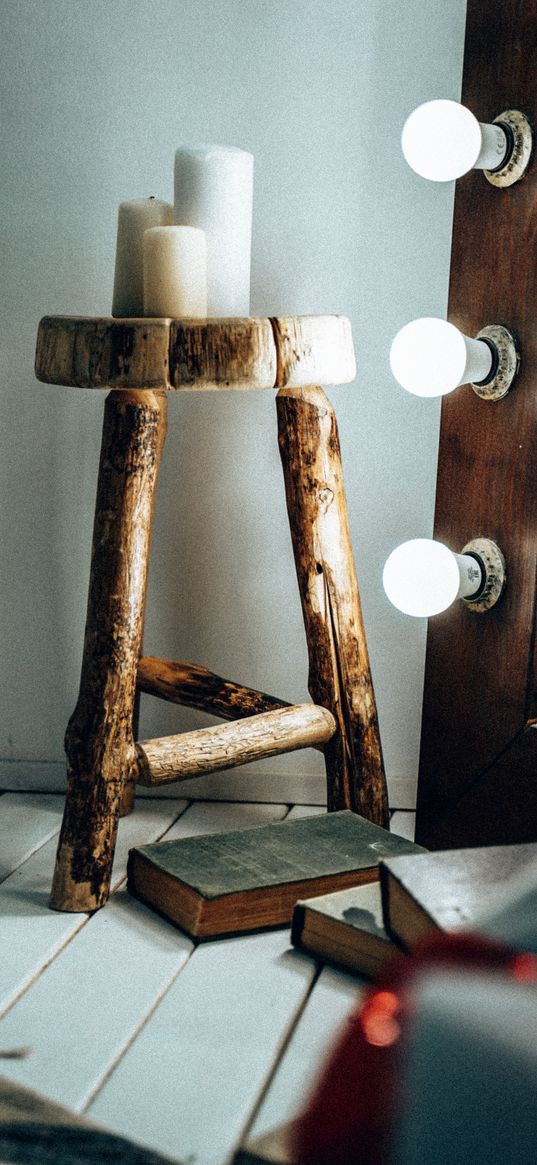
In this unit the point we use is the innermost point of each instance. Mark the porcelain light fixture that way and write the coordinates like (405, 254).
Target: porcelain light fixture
(442, 140)
(431, 357)
(423, 577)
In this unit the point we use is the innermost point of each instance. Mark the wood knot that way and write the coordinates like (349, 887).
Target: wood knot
(325, 497)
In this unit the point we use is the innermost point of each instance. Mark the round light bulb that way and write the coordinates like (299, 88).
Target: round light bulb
(431, 357)
(423, 577)
(442, 140)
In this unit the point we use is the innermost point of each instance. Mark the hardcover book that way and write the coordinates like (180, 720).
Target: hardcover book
(446, 890)
(34, 1130)
(346, 927)
(229, 883)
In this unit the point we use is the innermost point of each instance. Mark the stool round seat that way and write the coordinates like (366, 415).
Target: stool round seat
(194, 354)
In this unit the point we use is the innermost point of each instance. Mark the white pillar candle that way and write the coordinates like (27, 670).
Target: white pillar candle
(134, 218)
(175, 272)
(213, 191)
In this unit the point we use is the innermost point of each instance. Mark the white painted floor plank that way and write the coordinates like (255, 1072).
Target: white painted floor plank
(30, 933)
(299, 811)
(77, 1037)
(333, 997)
(141, 827)
(27, 821)
(221, 816)
(186, 1085)
(121, 962)
(171, 1050)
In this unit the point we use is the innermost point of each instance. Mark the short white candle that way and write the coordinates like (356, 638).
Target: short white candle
(134, 218)
(175, 272)
(214, 191)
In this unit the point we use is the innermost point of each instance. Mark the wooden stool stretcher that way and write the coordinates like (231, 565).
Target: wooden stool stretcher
(140, 360)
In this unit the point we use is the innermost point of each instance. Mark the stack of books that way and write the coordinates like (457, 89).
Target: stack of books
(352, 892)
(249, 879)
(417, 895)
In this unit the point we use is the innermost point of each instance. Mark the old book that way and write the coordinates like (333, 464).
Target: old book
(35, 1130)
(228, 883)
(512, 919)
(346, 927)
(446, 890)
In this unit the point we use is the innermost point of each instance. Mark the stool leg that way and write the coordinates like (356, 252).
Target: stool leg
(339, 672)
(99, 742)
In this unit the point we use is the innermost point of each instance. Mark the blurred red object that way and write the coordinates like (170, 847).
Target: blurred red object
(350, 1116)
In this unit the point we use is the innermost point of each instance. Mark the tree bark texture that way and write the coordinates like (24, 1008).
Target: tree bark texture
(313, 350)
(99, 743)
(339, 671)
(222, 353)
(209, 750)
(197, 687)
(208, 354)
(94, 352)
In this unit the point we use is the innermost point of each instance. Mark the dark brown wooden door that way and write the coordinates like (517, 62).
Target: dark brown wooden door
(478, 763)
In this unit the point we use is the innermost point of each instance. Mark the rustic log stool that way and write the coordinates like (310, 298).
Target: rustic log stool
(141, 360)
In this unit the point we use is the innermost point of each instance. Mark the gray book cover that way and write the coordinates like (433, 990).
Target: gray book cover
(275, 854)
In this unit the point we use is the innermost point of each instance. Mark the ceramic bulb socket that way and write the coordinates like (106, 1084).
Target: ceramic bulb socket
(490, 559)
(514, 165)
(504, 366)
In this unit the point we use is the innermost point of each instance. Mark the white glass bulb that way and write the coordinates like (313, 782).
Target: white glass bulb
(423, 577)
(442, 140)
(430, 357)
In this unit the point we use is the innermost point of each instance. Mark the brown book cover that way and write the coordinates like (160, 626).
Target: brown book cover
(446, 890)
(346, 928)
(229, 883)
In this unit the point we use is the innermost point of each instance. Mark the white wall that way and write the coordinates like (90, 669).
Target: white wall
(96, 96)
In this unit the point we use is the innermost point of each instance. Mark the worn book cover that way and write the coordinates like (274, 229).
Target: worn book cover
(228, 883)
(446, 890)
(34, 1130)
(346, 927)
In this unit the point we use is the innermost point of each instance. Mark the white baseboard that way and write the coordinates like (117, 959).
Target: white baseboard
(235, 785)
(34, 776)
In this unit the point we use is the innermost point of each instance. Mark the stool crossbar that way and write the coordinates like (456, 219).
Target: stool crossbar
(140, 361)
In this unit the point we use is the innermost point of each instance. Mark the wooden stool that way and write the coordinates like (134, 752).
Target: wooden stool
(141, 360)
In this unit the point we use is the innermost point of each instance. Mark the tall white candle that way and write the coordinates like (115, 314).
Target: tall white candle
(213, 191)
(134, 218)
(175, 272)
